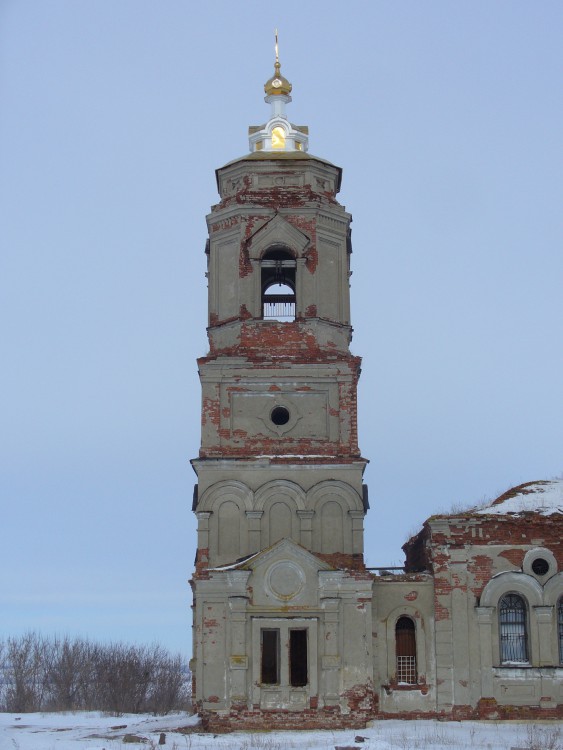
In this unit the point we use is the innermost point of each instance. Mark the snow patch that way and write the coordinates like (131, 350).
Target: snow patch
(544, 497)
(94, 731)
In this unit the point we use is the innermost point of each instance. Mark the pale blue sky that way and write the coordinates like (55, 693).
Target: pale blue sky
(447, 119)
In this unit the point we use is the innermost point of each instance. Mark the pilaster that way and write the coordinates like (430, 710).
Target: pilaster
(306, 518)
(331, 660)
(485, 622)
(544, 618)
(238, 657)
(254, 517)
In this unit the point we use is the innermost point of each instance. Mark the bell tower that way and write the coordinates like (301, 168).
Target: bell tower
(279, 497)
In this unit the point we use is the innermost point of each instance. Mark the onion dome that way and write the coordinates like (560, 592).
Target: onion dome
(277, 84)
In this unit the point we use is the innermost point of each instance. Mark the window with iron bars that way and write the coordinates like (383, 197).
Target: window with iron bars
(406, 669)
(405, 650)
(512, 630)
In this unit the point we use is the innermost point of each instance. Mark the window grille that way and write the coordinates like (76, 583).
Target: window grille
(560, 627)
(406, 669)
(405, 649)
(512, 629)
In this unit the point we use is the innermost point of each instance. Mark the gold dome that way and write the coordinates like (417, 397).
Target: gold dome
(277, 84)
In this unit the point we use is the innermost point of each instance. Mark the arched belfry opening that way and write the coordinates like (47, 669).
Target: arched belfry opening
(278, 284)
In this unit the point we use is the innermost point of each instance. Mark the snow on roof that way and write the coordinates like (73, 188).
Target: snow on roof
(236, 564)
(544, 497)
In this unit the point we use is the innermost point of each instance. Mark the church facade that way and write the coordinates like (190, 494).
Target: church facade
(290, 628)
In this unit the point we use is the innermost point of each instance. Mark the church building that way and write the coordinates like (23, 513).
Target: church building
(290, 629)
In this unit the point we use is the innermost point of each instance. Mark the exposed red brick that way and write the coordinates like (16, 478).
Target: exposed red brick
(221, 226)
(441, 613)
(312, 256)
(341, 561)
(244, 314)
(419, 686)
(515, 556)
(201, 562)
(362, 704)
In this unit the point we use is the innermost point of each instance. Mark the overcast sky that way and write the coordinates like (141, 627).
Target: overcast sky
(447, 119)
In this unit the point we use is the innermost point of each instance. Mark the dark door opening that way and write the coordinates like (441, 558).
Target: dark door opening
(298, 658)
(270, 667)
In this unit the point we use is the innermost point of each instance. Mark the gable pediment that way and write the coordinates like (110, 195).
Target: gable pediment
(277, 231)
(285, 549)
(286, 574)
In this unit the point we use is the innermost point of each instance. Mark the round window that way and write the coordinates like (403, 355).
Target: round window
(279, 415)
(540, 566)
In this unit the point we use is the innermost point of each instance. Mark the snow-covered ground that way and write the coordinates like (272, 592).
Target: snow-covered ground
(94, 731)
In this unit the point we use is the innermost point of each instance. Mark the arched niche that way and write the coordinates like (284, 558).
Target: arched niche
(229, 523)
(279, 488)
(216, 492)
(347, 494)
(331, 527)
(227, 503)
(335, 506)
(279, 502)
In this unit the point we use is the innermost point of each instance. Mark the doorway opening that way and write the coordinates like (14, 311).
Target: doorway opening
(298, 658)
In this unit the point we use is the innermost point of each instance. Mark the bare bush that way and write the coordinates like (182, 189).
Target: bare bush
(543, 738)
(64, 674)
(24, 673)
(70, 674)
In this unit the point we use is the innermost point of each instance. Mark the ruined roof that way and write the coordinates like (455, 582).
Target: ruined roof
(544, 497)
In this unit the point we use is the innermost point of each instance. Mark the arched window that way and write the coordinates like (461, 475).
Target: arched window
(405, 651)
(560, 628)
(278, 138)
(278, 285)
(512, 630)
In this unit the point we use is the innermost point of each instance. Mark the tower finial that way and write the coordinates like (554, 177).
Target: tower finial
(278, 134)
(277, 84)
